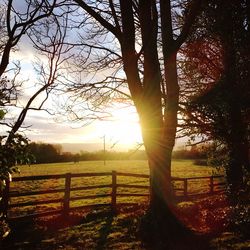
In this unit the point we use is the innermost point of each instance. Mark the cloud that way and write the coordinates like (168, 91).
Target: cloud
(46, 129)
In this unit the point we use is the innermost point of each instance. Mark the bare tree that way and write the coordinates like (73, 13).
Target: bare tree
(140, 39)
(52, 55)
(16, 23)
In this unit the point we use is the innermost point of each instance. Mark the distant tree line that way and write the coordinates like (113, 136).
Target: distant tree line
(51, 153)
(193, 153)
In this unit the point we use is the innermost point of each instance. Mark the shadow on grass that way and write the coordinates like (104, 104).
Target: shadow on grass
(105, 231)
(22, 236)
(129, 228)
(57, 231)
(169, 235)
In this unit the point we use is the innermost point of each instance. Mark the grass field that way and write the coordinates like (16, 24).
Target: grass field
(181, 168)
(100, 229)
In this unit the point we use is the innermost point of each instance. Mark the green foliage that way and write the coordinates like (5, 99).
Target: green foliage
(13, 147)
(194, 153)
(241, 219)
(13, 152)
(218, 156)
(217, 66)
(2, 114)
(45, 153)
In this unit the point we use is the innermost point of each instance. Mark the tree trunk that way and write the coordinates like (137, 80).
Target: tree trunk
(144, 78)
(159, 140)
(161, 227)
(236, 133)
(5, 57)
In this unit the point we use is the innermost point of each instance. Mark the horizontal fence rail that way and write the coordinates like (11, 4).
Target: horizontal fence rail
(215, 184)
(116, 188)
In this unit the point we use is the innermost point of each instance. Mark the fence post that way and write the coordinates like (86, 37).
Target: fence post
(114, 190)
(66, 200)
(185, 188)
(211, 184)
(5, 198)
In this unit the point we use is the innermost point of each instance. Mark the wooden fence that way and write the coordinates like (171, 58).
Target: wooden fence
(216, 184)
(182, 191)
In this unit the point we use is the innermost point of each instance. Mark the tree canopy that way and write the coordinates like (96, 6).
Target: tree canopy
(218, 106)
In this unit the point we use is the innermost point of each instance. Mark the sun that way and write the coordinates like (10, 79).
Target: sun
(123, 129)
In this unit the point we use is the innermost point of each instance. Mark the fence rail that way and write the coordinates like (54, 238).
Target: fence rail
(182, 191)
(214, 182)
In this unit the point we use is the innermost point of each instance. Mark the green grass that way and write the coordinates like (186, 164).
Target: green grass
(97, 230)
(181, 168)
(101, 229)
(93, 230)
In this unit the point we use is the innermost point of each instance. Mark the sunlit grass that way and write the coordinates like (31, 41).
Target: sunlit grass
(85, 166)
(181, 168)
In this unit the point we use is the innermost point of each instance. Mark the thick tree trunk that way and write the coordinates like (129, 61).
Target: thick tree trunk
(158, 129)
(161, 228)
(236, 128)
(160, 153)
(159, 140)
(235, 166)
(236, 139)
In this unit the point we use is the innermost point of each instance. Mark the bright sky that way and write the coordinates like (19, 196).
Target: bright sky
(124, 130)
